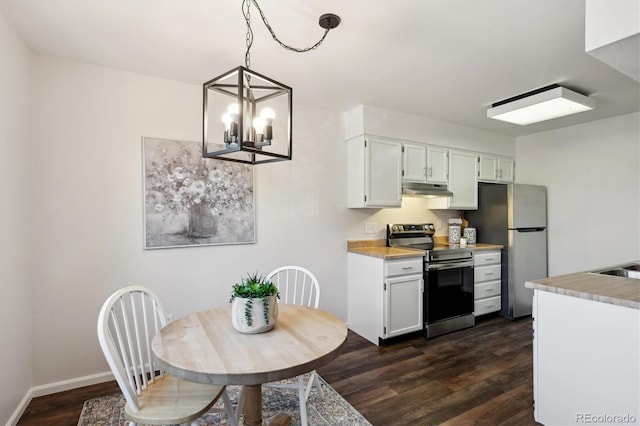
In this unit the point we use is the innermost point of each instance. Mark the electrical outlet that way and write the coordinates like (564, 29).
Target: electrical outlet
(438, 224)
(169, 318)
(370, 228)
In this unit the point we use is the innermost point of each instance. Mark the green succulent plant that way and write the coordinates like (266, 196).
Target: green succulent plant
(254, 286)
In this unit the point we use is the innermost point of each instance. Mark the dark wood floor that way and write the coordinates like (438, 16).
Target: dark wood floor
(478, 376)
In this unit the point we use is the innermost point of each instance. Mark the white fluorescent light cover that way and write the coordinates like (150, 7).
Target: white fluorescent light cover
(544, 105)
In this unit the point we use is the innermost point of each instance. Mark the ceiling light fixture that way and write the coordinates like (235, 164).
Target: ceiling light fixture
(256, 125)
(539, 105)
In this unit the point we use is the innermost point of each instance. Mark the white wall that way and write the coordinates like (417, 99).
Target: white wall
(592, 175)
(607, 21)
(15, 187)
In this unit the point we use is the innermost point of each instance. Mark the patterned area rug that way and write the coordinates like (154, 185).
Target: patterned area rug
(329, 411)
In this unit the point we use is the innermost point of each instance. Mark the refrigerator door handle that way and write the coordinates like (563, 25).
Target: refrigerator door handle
(542, 228)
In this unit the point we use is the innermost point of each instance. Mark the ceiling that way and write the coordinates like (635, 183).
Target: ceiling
(447, 60)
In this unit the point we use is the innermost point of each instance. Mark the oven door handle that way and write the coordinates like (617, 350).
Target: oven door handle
(452, 265)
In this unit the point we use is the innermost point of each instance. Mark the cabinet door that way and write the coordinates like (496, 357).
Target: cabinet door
(463, 180)
(403, 305)
(437, 164)
(414, 162)
(383, 173)
(505, 169)
(488, 168)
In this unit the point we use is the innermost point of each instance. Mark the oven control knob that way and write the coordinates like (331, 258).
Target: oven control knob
(394, 228)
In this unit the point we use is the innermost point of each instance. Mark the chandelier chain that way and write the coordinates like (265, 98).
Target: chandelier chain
(246, 4)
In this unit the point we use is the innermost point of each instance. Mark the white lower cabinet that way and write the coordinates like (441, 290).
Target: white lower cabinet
(487, 282)
(384, 296)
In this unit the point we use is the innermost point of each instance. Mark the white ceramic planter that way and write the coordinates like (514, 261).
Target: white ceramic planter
(258, 322)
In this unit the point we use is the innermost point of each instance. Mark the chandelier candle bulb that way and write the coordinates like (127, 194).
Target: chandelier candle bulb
(267, 114)
(259, 124)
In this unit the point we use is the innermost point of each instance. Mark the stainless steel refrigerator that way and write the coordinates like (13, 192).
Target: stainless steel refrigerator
(515, 216)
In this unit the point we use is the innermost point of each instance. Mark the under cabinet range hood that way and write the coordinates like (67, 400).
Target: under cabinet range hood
(418, 189)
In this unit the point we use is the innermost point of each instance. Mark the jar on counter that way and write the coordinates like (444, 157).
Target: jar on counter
(470, 233)
(454, 234)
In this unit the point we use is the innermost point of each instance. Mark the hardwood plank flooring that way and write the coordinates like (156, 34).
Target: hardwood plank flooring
(478, 376)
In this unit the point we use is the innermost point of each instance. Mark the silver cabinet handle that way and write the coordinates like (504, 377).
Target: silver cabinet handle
(406, 268)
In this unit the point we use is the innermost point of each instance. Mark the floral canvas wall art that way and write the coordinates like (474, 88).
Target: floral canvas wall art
(192, 201)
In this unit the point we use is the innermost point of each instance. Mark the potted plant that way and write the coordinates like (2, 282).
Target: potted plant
(254, 306)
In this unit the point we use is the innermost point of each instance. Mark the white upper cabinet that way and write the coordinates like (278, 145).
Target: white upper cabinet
(374, 172)
(414, 162)
(425, 163)
(488, 168)
(437, 164)
(505, 169)
(495, 168)
(463, 179)
(463, 182)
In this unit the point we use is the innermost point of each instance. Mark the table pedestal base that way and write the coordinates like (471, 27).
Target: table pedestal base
(253, 405)
(253, 409)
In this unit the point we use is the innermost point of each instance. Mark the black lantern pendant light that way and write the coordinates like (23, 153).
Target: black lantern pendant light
(257, 120)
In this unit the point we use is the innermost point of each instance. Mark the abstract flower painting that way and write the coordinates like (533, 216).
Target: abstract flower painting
(191, 201)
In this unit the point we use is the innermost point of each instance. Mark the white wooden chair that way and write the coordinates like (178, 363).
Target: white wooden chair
(298, 286)
(128, 320)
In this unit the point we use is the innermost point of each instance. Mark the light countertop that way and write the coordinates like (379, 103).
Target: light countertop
(586, 285)
(378, 248)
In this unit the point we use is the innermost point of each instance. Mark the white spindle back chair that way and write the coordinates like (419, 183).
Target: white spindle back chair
(128, 320)
(298, 286)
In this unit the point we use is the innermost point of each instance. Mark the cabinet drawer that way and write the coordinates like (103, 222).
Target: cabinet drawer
(485, 306)
(486, 273)
(486, 258)
(488, 289)
(403, 267)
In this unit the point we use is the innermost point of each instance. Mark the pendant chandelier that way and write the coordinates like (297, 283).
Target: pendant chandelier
(257, 120)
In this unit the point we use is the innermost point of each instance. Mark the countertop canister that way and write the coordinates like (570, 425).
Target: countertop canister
(470, 233)
(454, 234)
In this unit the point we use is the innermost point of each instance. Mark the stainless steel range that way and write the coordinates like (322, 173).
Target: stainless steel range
(448, 278)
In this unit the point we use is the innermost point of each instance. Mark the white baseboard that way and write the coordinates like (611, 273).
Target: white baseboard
(75, 383)
(55, 387)
(13, 420)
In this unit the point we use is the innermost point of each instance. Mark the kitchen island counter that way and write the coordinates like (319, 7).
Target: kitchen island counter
(587, 285)
(586, 346)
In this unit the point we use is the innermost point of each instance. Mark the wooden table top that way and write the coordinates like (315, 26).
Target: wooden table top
(204, 347)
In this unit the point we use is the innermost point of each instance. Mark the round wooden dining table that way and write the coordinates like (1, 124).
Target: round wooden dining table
(204, 347)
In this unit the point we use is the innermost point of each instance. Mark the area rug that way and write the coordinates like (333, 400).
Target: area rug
(331, 410)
